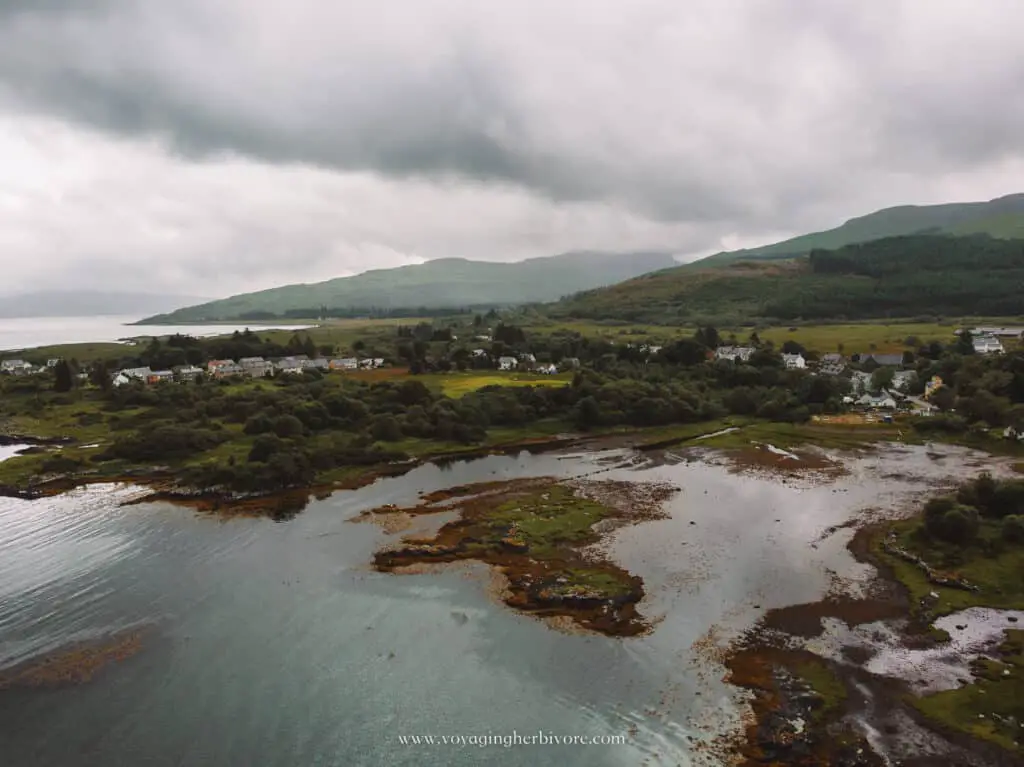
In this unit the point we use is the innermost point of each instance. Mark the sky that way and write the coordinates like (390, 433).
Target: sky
(208, 148)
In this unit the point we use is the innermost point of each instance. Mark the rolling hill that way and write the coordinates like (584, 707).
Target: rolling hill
(443, 283)
(910, 276)
(1002, 217)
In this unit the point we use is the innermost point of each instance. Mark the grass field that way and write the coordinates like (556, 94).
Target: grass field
(458, 384)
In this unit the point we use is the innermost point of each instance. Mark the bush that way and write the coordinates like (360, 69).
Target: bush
(957, 525)
(288, 426)
(1013, 528)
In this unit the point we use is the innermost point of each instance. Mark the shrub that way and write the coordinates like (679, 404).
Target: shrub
(1013, 528)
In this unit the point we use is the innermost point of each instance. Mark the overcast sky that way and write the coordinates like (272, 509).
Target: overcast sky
(212, 148)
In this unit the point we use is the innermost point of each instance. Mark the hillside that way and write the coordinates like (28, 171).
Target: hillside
(912, 276)
(1002, 217)
(443, 283)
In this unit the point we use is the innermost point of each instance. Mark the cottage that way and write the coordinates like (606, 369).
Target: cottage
(794, 361)
(883, 360)
(371, 363)
(288, 365)
(121, 379)
(344, 363)
(16, 367)
(160, 376)
(987, 345)
(317, 363)
(187, 372)
(882, 401)
(548, 370)
(734, 353)
(54, 362)
(223, 368)
(256, 367)
(507, 363)
(479, 352)
(137, 374)
(832, 364)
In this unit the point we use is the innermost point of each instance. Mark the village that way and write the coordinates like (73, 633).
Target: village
(880, 384)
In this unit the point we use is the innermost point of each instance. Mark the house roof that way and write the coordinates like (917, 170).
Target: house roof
(885, 360)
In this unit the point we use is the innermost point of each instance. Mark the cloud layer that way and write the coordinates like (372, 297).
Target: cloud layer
(244, 144)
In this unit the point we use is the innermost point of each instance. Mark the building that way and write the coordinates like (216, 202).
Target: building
(881, 401)
(1007, 332)
(987, 345)
(52, 363)
(160, 376)
(832, 364)
(883, 360)
(548, 370)
(288, 365)
(902, 379)
(317, 363)
(256, 367)
(121, 379)
(136, 374)
(16, 367)
(507, 363)
(371, 363)
(794, 361)
(223, 368)
(734, 353)
(344, 363)
(187, 372)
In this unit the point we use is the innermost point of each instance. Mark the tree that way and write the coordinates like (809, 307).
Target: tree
(964, 343)
(99, 376)
(587, 413)
(63, 380)
(882, 379)
(792, 347)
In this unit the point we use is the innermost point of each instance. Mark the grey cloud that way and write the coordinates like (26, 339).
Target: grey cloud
(296, 139)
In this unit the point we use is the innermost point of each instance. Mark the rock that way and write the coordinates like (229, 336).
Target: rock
(1011, 618)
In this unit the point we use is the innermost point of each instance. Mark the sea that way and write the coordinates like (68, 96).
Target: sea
(27, 332)
(276, 643)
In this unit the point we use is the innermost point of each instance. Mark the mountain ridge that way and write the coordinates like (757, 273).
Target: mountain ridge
(436, 284)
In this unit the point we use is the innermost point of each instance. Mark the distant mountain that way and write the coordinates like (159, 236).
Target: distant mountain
(87, 303)
(443, 283)
(1002, 217)
(934, 275)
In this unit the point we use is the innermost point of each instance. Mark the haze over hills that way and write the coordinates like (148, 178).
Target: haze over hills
(442, 283)
(1002, 217)
(78, 303)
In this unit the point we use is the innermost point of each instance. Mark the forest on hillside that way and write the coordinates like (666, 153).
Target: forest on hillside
(913, 276)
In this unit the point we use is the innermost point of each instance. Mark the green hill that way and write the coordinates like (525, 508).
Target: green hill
(443, 283)
(1002, 217)
(911, 276)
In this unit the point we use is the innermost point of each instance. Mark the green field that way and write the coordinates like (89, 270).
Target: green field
(458, 384)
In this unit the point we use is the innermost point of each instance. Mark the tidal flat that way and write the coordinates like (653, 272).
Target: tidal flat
(309, 638)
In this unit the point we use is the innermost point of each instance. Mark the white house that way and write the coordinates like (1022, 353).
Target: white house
(187, 372)
(223, 368)
(288, 365)
(139, 374)
(794, 361)
(121, 379)
(734, 353)
(547, 369)
(987, 345)
(883, 401)
(507, 363)
(344, 363)
(16, 367)
(317, 363)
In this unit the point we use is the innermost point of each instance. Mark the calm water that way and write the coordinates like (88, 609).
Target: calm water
(275, 644)
(28, 332)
